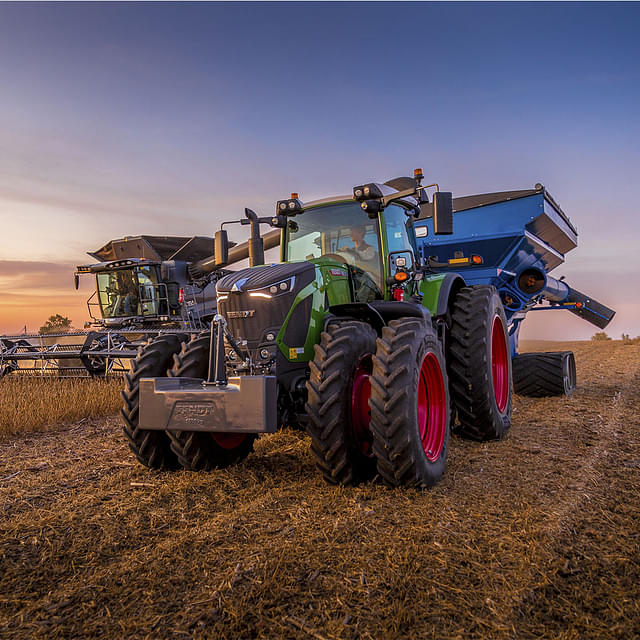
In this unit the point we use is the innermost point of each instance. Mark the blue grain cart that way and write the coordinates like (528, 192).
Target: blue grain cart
(512, 240)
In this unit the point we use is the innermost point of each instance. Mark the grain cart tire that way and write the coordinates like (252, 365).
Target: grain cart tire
(539, 375)
(337, 405)
(202, 450)
(155, 357)
(480, 364)
(410, 404)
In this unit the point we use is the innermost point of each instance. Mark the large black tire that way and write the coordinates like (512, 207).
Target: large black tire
(410, 404)
(155, 357)
(539, 375)
(201, 450)
(480, 364)
(337, 402)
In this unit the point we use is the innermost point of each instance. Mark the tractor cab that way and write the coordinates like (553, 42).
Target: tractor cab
(344, 233)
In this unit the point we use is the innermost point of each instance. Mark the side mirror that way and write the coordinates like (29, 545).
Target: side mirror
(221, 249)
(442, 213)
(76, 280)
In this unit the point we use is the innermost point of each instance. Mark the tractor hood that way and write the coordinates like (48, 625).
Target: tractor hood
(256, 302)
(257, 278)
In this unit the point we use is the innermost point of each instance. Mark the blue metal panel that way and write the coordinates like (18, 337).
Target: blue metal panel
(511, 236)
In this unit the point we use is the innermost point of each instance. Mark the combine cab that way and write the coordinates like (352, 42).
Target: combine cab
(144, 282)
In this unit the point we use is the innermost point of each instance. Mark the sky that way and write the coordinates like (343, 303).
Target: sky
(119, 119)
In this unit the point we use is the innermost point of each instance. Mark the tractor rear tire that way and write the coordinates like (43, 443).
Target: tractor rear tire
(539, 375)
(203, 450)
(337, 405)
(410, 404)
(480, 364)
(151, 448)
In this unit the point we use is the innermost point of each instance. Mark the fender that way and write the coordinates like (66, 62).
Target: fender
(379, 313)
(437, 290)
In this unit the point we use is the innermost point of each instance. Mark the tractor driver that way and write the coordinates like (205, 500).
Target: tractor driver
(365, 258)
(362, 254)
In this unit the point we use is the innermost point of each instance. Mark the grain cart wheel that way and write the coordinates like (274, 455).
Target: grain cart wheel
(538, 375)
(480, 364)
(202, 450)
(152, 448)
(410, 404)
(337, 405)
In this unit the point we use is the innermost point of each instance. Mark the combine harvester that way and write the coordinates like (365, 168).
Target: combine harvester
(378, 331)
(145, 286)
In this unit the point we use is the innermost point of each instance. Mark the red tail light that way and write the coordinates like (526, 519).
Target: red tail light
(181, 296)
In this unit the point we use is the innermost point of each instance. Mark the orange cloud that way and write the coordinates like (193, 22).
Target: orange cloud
(31, 291)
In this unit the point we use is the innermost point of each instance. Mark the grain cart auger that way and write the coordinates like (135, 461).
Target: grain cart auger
(350, 336)
(511, 240)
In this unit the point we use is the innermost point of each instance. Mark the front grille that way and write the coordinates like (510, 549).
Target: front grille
(255, 314)
(268, 313)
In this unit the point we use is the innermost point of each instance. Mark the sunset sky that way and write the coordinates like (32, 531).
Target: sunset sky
(122, 119)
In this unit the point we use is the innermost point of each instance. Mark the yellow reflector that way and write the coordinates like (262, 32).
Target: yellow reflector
(458, 260)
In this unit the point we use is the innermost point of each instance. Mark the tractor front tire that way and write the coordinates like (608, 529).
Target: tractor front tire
(410, 404)
(203, 450)
(480, 364)
(151, 448)
(338, 402)
(539, 375)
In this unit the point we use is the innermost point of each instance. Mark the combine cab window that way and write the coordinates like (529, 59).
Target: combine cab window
(344, 232)
(126, 293)
(149, 293)
(118, 293)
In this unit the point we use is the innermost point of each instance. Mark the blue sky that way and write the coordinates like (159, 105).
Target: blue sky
(118, 119)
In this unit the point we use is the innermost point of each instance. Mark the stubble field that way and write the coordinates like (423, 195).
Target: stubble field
(536, 536)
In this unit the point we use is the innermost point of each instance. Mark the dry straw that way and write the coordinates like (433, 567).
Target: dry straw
(532, 537)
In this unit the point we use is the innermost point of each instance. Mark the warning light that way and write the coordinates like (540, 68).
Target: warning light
(579, 305)
(294, 196)
(476, 259)
(401, 276)
(417, 174)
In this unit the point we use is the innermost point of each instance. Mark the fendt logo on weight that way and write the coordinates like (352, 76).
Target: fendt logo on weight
(192, 413)
(249, 313)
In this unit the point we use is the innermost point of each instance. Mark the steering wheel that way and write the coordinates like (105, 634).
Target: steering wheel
(335, 256)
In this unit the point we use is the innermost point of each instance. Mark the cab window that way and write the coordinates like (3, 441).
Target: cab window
(396, 221)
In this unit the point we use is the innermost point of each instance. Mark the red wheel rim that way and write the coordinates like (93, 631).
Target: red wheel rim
(432, 407)
(360, 411)
(499, 364)
(228, 440)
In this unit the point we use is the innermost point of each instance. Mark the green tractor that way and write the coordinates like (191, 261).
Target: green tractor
(350, 337)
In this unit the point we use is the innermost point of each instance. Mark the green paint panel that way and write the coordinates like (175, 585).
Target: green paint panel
(327, 285)
(430, 288)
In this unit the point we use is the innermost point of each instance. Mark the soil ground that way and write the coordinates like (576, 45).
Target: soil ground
(535, 536)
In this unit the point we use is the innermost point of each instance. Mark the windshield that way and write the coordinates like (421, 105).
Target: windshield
(118, 293)
(341, 231)
(130, 292)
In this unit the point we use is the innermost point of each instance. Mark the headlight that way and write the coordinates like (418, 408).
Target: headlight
(275, 289)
